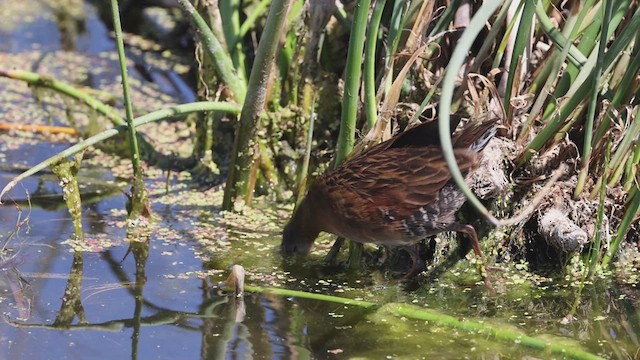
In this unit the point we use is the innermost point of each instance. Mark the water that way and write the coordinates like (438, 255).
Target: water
(156, 297)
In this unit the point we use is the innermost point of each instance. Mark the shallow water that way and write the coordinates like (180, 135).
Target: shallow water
(155, 298)
(156, 302)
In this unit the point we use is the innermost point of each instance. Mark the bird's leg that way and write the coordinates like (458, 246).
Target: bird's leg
(335, 249)
(383, 256)
(417, 265)
(471, 233)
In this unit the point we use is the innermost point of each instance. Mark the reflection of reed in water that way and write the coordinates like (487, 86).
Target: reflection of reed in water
(12, 280)
(254, 326)
(71, 299)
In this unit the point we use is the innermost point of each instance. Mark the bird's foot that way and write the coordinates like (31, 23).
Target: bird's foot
(417, 264)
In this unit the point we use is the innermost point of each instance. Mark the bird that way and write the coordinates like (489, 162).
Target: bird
(394, 194)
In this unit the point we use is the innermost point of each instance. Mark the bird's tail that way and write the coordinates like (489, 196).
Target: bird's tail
(475, 136)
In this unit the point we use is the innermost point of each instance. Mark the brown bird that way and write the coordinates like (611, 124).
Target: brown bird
(397, 193)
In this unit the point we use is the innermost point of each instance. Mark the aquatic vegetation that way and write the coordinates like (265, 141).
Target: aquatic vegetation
(561, 77)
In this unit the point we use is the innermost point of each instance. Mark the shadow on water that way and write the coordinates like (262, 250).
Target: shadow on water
(108, 297)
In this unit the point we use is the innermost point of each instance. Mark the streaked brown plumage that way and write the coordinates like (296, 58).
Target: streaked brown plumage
(395, 194)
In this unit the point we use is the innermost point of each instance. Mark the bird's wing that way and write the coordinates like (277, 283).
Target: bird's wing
(392, 185)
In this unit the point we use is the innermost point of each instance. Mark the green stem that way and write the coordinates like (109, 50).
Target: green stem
(370, 104)
(346, 138)
(593, 102)
(521, 42)
(417, 313)
(395, 27)
(635, 159)
(230, 16)
(622, 91)
(629, 215)
(242, 156)
(64, 88)
(220, 58)
(147, 118)
(269, 171)
(457, 59)
(488, 43)
(575, 55)
(597, 238)
(122, 60)
(304, 168)
(251, 19)
(400, 8)
(66, 171)
(343, 18)
(307, 295)
(444, 19)
(550, 73)
(582, 91)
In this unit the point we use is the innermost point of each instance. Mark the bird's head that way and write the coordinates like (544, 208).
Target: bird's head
(301, 231)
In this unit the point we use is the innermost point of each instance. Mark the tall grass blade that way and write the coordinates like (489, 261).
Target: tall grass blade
(581, 90)
(623, 228)
(370, 103)
(593, 101)
(448, 85)
(523, 37)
